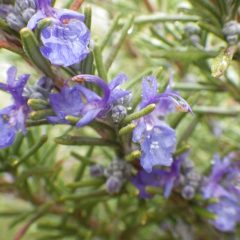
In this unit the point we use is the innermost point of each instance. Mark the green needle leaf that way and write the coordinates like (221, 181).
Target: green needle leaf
(37, 104)
(82, 141)
(99, 63)
(32, 151)
(159, 17)
(128, 129)
(40, 114)
(139, 114)
(31, 47)
(119, 42)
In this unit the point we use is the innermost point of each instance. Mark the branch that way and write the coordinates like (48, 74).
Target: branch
(76, 5)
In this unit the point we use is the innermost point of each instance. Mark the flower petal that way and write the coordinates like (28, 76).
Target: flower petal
(88, 117)
(66, 14)
(157, 147)
(149, 90)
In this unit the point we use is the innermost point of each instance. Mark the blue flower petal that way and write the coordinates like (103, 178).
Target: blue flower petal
(66, 14)
(65, 44)
(8, 132)
(158, 147)
(67, 102)
(227, 214)
(88, 117)
(149, 90)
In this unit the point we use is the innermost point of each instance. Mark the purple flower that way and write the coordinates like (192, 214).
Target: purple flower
(96, 106)
(67, 102)
(157, 145)
(224, 184)
(13, 117)
(213, 186)
(156, 138)
(82, 102)
(166, 179)
(65, 41)
(167, 102)
(227, 214)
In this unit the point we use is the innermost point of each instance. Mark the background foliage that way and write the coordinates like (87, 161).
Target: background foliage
(179, 38)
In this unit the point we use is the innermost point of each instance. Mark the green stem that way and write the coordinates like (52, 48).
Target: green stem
(188, 132)
(87, 64)
(86, 196)
(86, 183)
(88, 16)
(227, 112)
(38, 215)
(107, 37)
(137, 79)
(17, 144)
(37, 123)
(99, 63)
(156, 34)
(85, 141)
(119, 42)
(35, 148)
(159, 17)
(81, 158)
(195, 87)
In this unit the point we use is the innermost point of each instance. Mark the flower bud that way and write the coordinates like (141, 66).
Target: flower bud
(119, 112)
(193, 176)
(40, 90)
(14, 21)
(231, 31)
(96, 170)
(231, 28)
(113, 185)
(195, 39)
(232, 39)
(188, 165)
(22, 5)
(191, 29)
(20, 14)
(118, 168)
(188, 192)
(125, 101)
(27, 14)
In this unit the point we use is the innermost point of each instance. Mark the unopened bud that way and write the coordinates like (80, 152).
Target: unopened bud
(113, 185)
(191, 29)
(20, 14)
(96, 170)
(188, 192)
(232, 39)
(187, 165)
(193, 176)
(15, 22)
(231, 28)
(27, 14)
(195, 39)
(231, 31)
(40, 90)
(22, 5)
(125, 101)
(119, 112)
